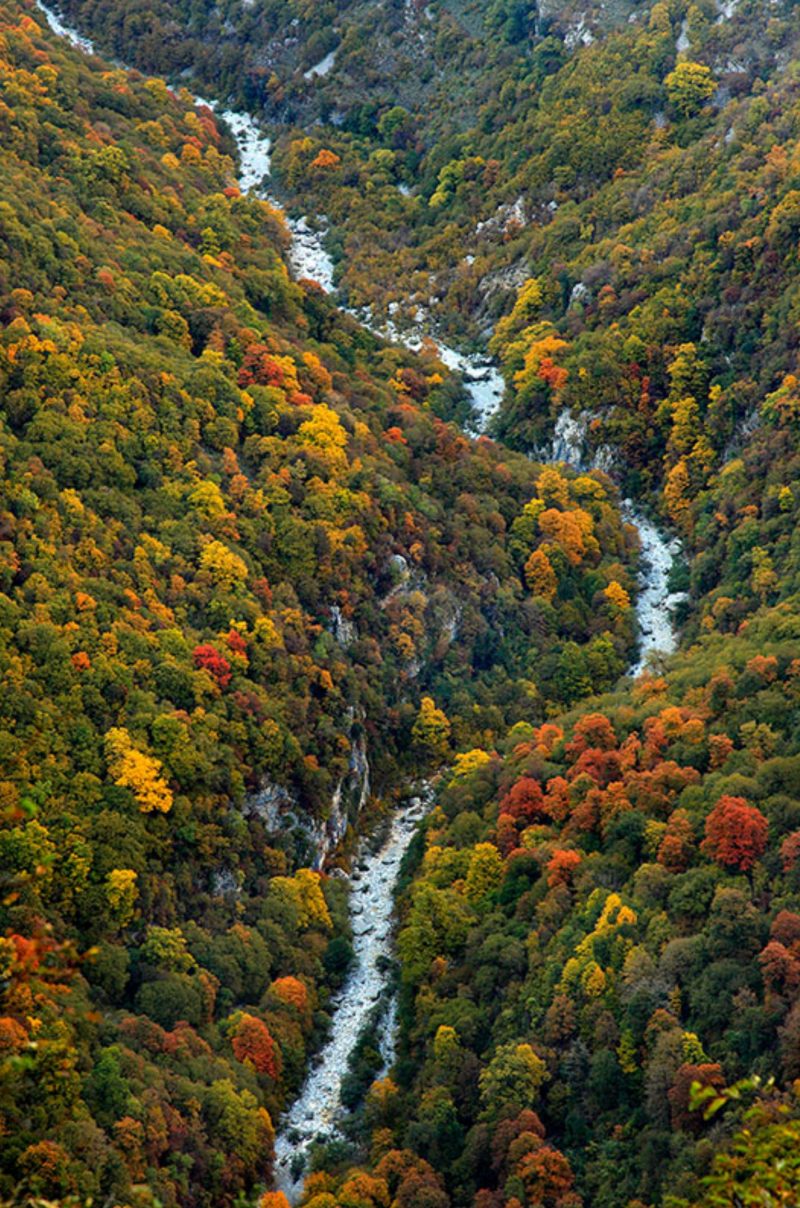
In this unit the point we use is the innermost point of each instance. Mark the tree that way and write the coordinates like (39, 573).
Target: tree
(680, 1093)
(292, 992)
(763, 577)
(689, 86)
(540, 576)
(447, 1051)
(431, 730)
(438, 924)
(324, 433)
(780, 968)
(677, 494)
(736, 833)
(790, 851)
(134, 770)
(617, 596)
(209, 659)
(166, 948)
(561, 867)
(241, 1128)
(304, 892)
(511, 1080)
(571, 532)
(547, 1177)
(121, 892)
(325, 158)
(484, 874)
(760, 1164)
(677, 843)
(395, 125)
(253, 1045)
(593, 730)
(225, 568)
(539, 364)
(467, 762)
(524, 800)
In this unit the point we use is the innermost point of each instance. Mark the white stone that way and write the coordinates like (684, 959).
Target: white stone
(322, 68)
(71, 35)
(319, 1103)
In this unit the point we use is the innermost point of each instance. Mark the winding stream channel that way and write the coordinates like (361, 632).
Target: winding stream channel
(316, 1113)
(317, 1110)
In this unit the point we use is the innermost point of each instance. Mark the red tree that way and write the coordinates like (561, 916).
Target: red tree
(785, 928)
(509, 1129)
(13, 1037)
(547, 1178)
(506, 834)
(592, 730)
(736, 833)
(292, 993)
(675, 850)
(603, 766)
(210, 660)
(780, 968)
(253, 1043)
(556, 804)
(259, 366)
(561, 866)
(236, 642)
(523, 800)
(790, 851)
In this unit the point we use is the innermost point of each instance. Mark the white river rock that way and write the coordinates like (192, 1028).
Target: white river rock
(317, 1112)
(67, 32)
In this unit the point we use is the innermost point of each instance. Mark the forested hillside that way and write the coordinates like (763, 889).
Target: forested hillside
(255, 581)
(241, 544)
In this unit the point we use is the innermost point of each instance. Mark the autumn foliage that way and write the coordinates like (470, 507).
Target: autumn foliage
(736, 833)
(253, 1044)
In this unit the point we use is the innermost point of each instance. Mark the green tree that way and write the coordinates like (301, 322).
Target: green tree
(512, 1080)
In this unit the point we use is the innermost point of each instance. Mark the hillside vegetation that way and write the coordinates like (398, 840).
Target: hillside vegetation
(247, 554)
(243, 551)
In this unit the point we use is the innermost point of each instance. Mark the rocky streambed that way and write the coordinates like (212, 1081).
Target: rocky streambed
(317, 1112)
(484, 386)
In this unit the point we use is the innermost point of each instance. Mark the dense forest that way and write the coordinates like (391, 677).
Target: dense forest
(256, 581)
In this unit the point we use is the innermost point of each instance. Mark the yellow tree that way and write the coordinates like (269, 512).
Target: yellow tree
(431, 730)
(304, 892)
(226, 569)
(484, 874)
(324, 434)
(122, 893)
(676, 495)
(540, 576)
(689, 86)
(616, 595)
(571, 531)
(133, 769)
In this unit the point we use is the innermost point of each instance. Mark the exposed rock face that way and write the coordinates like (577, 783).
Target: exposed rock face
(281, 810)
(349, 798)
(269, 803)
(343, 629)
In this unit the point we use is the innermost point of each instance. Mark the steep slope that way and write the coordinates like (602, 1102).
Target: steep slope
(300, 62)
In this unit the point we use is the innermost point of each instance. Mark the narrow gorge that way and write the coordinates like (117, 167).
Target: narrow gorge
(366, 996)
